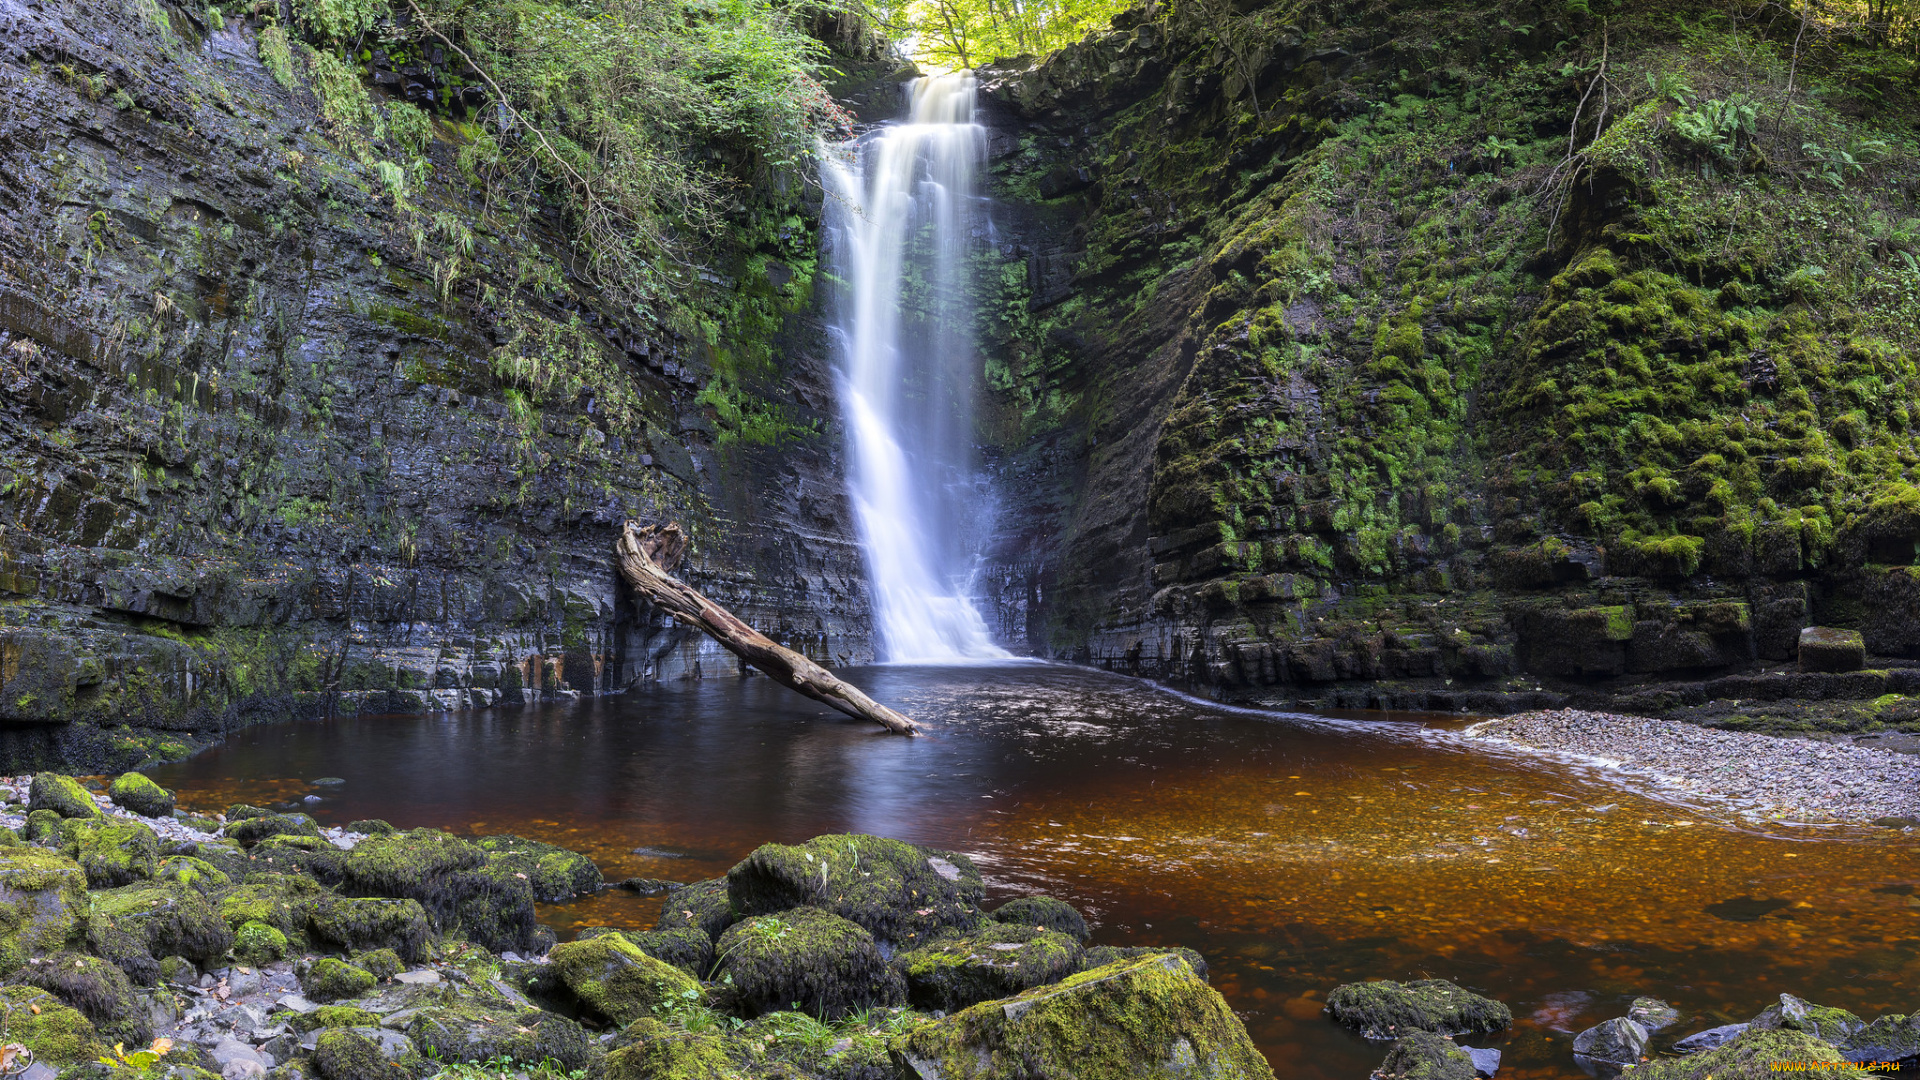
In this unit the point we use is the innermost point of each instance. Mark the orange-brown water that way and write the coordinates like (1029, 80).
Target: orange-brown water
(1296, 853)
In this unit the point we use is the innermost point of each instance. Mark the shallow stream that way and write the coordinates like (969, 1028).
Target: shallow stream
(1295, 852)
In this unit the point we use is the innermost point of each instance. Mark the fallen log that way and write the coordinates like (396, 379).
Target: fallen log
(648, 555)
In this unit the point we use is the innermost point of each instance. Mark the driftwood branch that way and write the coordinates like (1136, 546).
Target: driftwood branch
(647, 558)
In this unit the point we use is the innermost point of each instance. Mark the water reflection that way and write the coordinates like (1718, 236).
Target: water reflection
(1296, 853)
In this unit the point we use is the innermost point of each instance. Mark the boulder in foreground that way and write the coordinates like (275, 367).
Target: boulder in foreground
(1149, 1018)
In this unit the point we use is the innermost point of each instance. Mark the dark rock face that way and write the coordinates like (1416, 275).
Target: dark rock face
(1250, 432)
(255, 459)
(1388, 1009)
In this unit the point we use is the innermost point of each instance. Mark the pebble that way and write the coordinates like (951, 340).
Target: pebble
(1762, 775)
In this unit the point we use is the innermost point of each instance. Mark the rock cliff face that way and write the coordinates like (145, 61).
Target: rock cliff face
(256, 457)
(1388, 354)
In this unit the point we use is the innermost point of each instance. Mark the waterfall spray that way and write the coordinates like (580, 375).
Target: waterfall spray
(899, 221)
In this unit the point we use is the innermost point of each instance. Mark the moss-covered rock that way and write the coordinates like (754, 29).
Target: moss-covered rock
(257, 943)
(1423, 1055)
(249, 831)
(1102, 955)
(339, 1016)
(467, 1032)
(192, 871)
(900, 893)
(1149, 1018)
(137, 792)
(705, 906)
(689, 950)
(383, 963)
(41, 826)
(845, 1051)
(41, 898)
(171, 919)
(371, 827)
(372, 923)
(58, 1034)
(331, 979)
(997, 960)
(611, 976)
(1823, 1022)
(1751, 1056)
(1889, 1038)
(345, 1054)
(61, 794)
(97, 988)
(658, 1052)
(1046, 913)
(449, 877)
(1388, 1010)
(124, 949)
(285, 902)
(113, 852)
(310, 855)
(807, 959)
(554, 873)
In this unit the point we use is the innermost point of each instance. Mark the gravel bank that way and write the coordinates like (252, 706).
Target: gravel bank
(1761, 775)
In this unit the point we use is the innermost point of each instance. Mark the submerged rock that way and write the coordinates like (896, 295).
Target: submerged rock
(997, 960)
(898, 892)
(1149, 1017)
(805, 959)
(1423, 1055)
(1652, 1013)
(1619, 1041)
(1387, 1009)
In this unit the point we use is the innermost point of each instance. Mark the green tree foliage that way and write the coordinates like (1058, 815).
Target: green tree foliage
(967, 33)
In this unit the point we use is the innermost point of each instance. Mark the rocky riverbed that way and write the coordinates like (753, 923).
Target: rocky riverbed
(1760, 775)
(140, 943)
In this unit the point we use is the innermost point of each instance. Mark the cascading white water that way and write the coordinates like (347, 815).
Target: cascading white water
(899, 218)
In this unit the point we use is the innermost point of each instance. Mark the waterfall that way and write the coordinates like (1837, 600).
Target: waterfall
(899, 216)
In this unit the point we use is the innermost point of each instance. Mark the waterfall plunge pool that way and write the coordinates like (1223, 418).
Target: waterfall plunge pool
(1294, 852)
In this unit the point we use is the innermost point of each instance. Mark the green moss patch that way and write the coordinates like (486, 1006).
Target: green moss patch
(618, 981)
(807, 959)
(898, 892)
(1388, 1010)
(996, 960)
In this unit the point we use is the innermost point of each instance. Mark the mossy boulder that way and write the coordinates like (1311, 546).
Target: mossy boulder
(372, 923)
(611, 976)
(1046, 913)
(137, 792)
(1102, 955)
(339, 1016)
(61, 794)
(257, 943)
(124, 949)
(467, 1032)
(345, 1054)
(1823, 1022)
(1750, 1056)
(309, 855)
(997, 960)
(41, 826)
(706, 906)
(331, 979)
(1890, 1038)
(1423, 1055)
(1388, 1010)
(285, 902)
(383, 963)
(655, 1051)
(371, 827)
(192, 871)
(172, 920)
(554, 873)
(807, 959)
(97, 988)
(250, 831)
(846, 1051)
(1147, 1018)
(1825, 648)
(41, 898)
(689, 950)
(896, 891)
(449, 877)
(57, 1033)
(112, 852)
